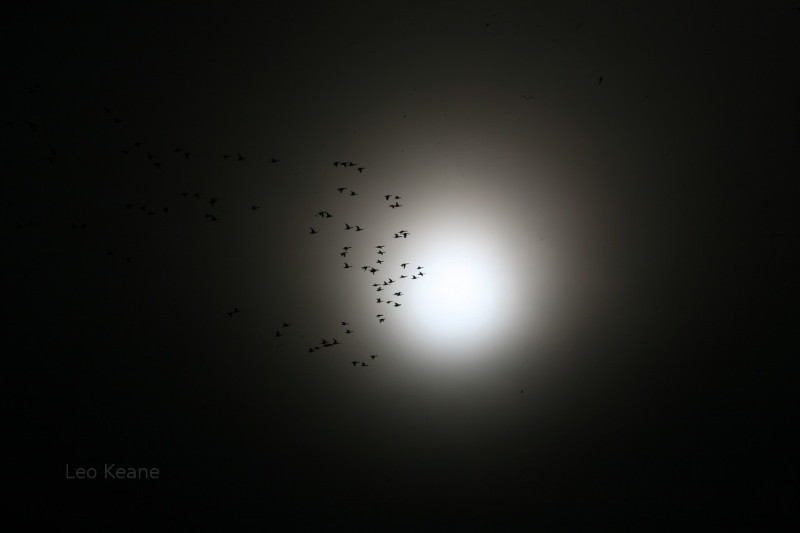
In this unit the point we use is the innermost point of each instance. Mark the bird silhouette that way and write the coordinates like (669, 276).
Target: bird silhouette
(373, 356)
(273, 160)
(254, 207)
(240, 157)
(313, 231)
(599, 80)
(349, 331)
(353, 193)
(345, 323)
(285, 325)
(359, 228)
(347, 226)
(403, 265)
(361, 169)
(341, 189)
(354, 363)
(347, 266)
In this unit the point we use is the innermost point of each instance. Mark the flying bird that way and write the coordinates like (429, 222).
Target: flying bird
(341, 189)
(599, 80)
(313, 231)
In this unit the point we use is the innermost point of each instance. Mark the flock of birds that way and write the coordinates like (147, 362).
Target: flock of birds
(377, 265)
(160, 158)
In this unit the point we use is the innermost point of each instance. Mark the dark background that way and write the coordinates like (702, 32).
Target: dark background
(646, 225)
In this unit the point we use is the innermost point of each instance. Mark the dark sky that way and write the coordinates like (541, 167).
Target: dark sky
(600, 196)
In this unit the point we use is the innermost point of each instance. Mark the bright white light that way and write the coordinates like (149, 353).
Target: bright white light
(462, 301)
